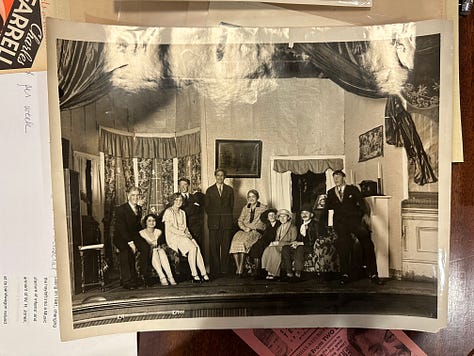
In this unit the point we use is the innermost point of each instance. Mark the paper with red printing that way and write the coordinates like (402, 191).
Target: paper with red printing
(329, 342)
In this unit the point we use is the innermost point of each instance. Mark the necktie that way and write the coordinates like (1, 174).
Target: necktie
(219, 187)
(339, 193)
(303, 229)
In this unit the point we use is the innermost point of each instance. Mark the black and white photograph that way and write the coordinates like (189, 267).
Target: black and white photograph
(209, 178)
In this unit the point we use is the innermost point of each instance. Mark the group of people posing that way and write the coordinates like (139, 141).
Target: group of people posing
(268, 236)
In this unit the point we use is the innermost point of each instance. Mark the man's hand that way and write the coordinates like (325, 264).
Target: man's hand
(133, 247)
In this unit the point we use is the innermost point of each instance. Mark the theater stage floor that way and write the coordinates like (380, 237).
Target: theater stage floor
(230, 296)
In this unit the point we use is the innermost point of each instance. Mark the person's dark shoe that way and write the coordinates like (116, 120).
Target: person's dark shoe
(149, 282)
(129, 286)
(196, 279)
(206, 278)
(376, 280)
(344, 280)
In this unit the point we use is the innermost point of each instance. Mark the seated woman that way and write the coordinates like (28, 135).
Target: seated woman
(286, 233)
(271, 225)
(159, 260)
(180, 239)
(251, 229)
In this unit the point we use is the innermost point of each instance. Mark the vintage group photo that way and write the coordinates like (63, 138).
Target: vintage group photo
(229, 177)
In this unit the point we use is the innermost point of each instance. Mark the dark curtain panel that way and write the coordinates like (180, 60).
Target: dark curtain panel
(403, 131)
(343, 64)
(83, 76)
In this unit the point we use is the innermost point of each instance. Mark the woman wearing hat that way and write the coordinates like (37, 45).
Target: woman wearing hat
(285, 235)
(251, 229)
(269, 218)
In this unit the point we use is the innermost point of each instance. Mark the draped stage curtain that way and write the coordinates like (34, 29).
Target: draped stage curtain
(343, 63)
(83, 74)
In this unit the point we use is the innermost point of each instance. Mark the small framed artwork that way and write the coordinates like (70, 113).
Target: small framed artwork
(371, 144)
(239, 158)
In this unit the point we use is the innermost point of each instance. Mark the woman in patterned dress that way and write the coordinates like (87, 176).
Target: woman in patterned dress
(251, 229)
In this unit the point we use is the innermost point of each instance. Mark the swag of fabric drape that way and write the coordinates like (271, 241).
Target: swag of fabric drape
(403, 132)
(130, 145)
(116, 145)
(83, 76)
(307, 165)
(343, 64)
(187, 145)
(154, 147)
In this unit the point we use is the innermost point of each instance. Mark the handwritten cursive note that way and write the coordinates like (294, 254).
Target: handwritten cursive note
(27, 92)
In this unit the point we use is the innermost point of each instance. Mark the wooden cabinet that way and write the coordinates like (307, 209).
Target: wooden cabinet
(419, 240)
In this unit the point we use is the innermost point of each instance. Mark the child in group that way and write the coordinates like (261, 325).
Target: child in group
(298, 250)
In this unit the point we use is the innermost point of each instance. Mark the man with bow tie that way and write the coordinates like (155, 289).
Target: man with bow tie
(127, 239)
(351, 216)
(298, 250)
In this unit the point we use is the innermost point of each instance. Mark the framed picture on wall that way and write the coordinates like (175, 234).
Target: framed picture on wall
(371, 144)
(239, 158)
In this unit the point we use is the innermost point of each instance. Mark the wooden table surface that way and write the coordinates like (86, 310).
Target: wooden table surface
(458, 337)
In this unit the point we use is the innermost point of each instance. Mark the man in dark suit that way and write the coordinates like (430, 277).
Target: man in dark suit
(351, 216)
(219, 204)
(303, 246)
(193, 206)
(127, 240)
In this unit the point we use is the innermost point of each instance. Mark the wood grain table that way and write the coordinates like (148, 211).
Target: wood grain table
(458, 337)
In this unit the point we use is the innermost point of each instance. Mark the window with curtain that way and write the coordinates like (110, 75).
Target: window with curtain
(148, 163)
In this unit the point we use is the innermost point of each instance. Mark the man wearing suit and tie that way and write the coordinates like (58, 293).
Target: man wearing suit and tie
(127, 239)
(219, 205)
(351, 216)
(193, 206)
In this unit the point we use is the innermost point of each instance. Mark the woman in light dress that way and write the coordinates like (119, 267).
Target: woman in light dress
(159, 260)
(251, 229)
(180, 239)
(285, 235)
